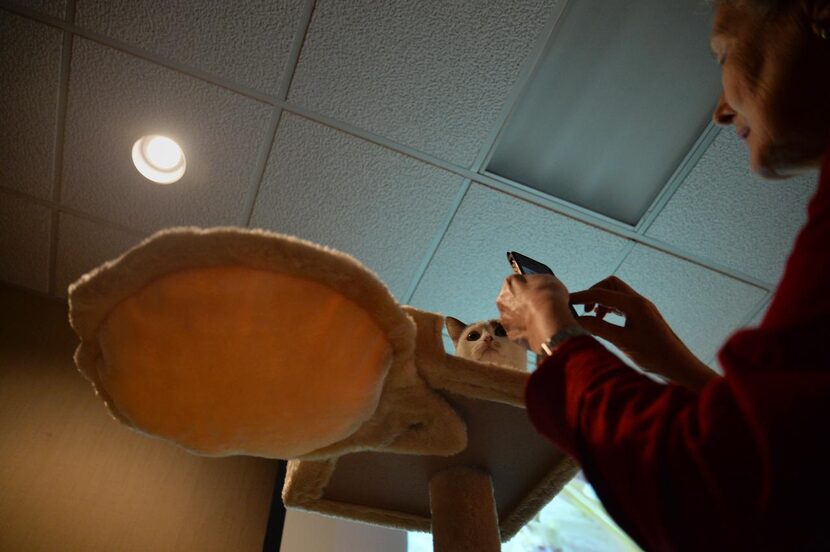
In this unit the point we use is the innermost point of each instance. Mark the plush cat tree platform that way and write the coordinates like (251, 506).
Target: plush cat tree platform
(393, 489)
(231, 341)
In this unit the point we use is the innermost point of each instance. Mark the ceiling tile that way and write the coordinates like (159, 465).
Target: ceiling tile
(468, 269)
(30, 59)
(245, 42)
(55, 8)
(758, 318)
(24, 242)
(703, 307)
(84, 245)
(723, 213)
(754, 323)
(114, 99)
(431, 74)
(332, 188)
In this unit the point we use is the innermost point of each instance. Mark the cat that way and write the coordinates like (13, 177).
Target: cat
(486, 341)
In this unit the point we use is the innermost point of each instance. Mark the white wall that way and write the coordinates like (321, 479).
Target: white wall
(74, 479)
(305, 532)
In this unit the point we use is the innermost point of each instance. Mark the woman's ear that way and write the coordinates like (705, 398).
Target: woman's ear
(455, 327)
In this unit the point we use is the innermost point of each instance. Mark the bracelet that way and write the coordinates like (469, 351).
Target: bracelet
(559, 337)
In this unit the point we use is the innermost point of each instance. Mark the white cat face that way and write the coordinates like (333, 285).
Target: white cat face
(486, 341)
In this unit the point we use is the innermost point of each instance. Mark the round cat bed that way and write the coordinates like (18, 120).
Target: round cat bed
(230, 341)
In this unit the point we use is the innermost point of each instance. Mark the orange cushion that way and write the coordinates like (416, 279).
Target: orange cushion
(233, 360)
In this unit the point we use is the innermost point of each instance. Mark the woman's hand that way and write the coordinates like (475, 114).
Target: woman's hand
(534, 308)
(646, 337)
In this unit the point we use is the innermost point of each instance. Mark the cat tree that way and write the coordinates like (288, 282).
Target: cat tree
(231, 341)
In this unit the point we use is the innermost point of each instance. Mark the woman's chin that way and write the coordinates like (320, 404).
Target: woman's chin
(775, 163)
(764, 171)
(763, 162)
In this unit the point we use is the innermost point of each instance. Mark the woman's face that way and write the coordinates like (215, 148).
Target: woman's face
(775, 86)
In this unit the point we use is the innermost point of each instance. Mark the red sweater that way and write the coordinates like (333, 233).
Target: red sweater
(745, 464)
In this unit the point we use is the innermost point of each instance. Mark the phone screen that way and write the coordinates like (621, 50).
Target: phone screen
(530, 270)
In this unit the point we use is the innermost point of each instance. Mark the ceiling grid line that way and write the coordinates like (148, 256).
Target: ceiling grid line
(529, 68)
(664, 247)
(625, 253)
(561, 206)
(753, 312)
(273, 126)
(676, 180)
(145, 55)
(63, 98)
(542, 200)
(262, 164)
(546, 203)
(763, 303)
(49, 204)
(439, 236)
(101, 221)
(296, 48)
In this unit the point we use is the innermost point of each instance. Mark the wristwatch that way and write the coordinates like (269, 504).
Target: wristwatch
(559, 337)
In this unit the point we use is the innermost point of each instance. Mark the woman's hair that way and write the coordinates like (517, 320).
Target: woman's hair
(764, 5)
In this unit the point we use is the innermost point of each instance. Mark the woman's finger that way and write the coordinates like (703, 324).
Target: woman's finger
(609, 298)
(616, 284)
(515, 280)
(603, 329)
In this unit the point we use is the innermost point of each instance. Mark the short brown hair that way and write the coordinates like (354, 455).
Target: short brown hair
(765, 5)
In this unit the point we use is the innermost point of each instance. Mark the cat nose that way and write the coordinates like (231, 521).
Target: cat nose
(488, 338)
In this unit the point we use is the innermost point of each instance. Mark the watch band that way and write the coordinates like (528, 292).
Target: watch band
(559, 337)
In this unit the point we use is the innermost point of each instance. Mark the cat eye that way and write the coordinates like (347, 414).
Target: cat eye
(500, 331)
(473, 336)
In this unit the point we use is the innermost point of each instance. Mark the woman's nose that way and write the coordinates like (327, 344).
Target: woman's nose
(724, 114)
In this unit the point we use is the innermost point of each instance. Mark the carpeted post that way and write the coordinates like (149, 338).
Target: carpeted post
(464, 514)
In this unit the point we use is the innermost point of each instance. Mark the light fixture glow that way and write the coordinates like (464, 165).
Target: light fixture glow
(159, 159)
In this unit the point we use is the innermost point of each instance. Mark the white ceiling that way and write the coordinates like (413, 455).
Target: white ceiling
(358, 124)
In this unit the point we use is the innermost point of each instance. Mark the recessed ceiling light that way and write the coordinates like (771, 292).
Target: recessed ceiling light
(159, 158)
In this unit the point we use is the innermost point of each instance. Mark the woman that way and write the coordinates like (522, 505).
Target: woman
(740, 462)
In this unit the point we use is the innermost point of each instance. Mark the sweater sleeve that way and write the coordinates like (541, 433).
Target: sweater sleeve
(742, 465)
(665, 462)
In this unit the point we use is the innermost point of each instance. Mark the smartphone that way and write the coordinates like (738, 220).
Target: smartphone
(523, 264)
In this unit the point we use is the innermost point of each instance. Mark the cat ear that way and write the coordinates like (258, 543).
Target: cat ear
(455, 327)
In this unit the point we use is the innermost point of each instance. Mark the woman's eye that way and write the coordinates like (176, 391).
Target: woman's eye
(500, 331)
(719, 56)
(473, 336)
